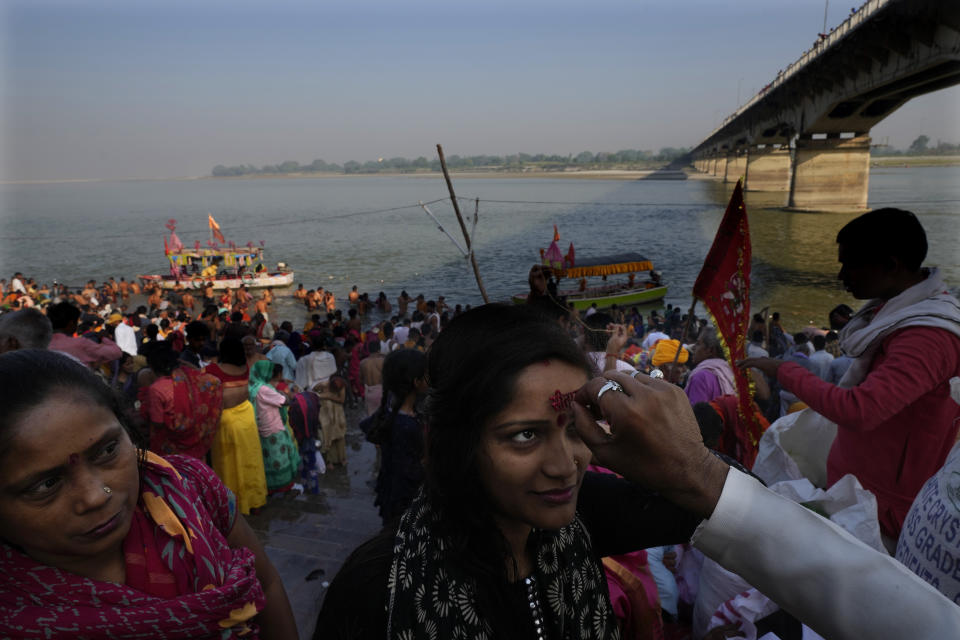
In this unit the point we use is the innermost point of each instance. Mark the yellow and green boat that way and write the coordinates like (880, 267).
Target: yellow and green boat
(625, 291)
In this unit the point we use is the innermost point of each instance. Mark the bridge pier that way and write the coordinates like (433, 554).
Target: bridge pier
(830, 174)
(736, 167)
(719, 167)
(768, 169)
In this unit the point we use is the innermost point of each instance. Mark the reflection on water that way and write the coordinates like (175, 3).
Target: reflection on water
(74, 231)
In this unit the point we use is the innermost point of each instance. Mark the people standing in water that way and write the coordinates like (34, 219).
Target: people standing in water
(235, 453)
(281, 456)
(99, 538)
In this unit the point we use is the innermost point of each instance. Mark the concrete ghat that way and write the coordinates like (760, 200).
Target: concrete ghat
(309, 536)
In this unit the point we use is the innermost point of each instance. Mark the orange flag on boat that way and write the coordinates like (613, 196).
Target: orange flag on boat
(215, 228)
(724, 288)
(556, 234)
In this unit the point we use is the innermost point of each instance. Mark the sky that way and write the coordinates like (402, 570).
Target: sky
(147, 89)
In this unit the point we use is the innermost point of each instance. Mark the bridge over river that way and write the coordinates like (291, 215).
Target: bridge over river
(807, 133)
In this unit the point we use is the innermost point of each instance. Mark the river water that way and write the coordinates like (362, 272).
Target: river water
(334, 232)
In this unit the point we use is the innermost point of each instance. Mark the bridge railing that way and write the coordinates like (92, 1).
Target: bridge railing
(824, 42)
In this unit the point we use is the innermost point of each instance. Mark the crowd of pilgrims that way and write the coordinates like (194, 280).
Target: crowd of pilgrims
(234, 406)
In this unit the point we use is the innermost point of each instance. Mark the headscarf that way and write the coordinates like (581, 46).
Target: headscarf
(432, 595)
(183, 579)
(666, 350)
(261, 374)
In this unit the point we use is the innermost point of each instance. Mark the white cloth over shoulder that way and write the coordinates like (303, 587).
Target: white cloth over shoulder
(925, 304)
(316, 366)
(126, 338)
(822, 575)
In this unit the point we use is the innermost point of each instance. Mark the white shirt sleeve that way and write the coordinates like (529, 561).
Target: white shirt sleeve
(812, 568)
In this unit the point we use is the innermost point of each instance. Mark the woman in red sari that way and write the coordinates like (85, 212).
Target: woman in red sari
(101, 539)
(183, 405)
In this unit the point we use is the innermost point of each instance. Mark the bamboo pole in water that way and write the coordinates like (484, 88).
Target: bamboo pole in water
(463, 227)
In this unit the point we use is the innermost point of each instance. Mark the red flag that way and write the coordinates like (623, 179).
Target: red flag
(556, 234)
(724, 288)
(571, 256)
(215, 228)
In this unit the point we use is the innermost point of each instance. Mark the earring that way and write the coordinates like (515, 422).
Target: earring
(107, 489)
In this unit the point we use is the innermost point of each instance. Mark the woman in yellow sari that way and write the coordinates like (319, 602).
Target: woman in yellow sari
(235, 454)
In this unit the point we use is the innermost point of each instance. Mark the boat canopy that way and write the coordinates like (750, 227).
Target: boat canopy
(609, 265)
(238, 257)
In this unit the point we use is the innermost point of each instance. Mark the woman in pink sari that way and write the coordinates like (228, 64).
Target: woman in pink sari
(101, 539)
(183, 405)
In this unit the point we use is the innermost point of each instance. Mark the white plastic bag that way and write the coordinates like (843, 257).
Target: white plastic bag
(796, 446)
(846, 503)
(724, 597)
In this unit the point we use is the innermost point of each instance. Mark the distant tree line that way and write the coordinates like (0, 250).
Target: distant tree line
(625, 159)
(921, 147)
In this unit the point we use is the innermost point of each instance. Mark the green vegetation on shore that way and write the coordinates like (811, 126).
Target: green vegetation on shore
(627, 159)
(915, 161)
(919, 147)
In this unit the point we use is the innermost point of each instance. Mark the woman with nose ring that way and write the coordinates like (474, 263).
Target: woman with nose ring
(100, 538)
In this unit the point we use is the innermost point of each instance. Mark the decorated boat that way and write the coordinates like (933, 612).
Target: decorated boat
(611, 288)
(225, 267)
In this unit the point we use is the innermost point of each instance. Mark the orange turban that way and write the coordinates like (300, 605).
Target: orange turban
(666, 350)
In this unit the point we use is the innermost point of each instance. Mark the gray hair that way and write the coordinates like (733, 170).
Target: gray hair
(708, 335)
(24, 329)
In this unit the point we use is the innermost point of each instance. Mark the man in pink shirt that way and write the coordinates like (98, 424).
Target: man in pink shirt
(897, 408)
(63, 317)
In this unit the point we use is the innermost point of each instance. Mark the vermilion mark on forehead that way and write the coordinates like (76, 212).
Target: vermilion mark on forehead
(74, 458)
(561, 401)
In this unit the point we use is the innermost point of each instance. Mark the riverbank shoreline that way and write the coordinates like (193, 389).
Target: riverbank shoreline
(914, 161)
(656, 173)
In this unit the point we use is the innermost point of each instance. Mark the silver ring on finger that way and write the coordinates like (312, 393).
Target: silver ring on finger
(609, 385)
(657, 374)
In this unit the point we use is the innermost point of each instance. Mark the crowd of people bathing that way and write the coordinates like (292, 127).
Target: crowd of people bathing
(533, 480)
